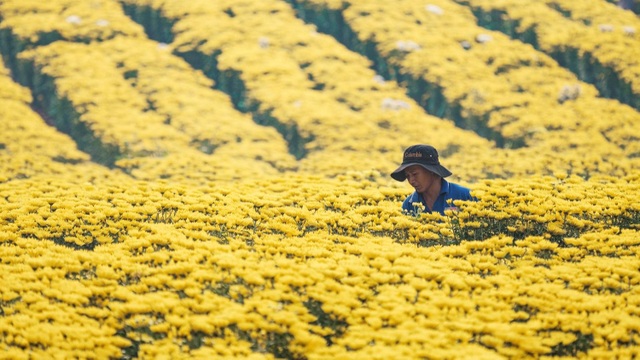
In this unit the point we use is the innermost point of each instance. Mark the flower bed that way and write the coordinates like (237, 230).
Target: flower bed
(331, 269)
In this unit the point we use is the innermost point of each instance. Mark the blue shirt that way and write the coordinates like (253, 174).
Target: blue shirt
(448, 191)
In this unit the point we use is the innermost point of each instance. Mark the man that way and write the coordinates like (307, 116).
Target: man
(421, 167)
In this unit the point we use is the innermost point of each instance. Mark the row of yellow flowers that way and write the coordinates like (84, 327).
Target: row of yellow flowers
(599, 14)
(558, 210)
(493, 81)
(28, 146)
(144, 141)
(90, 93)
(587, 36)
(240, 50)
(328, 98)
(346, 113)
(130, 102)
(332, 269)
(41, 23)
(186, 100)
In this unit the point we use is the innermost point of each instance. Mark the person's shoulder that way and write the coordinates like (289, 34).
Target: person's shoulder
(457, 190)
(458, 187)
(414, 197)
(407, 204)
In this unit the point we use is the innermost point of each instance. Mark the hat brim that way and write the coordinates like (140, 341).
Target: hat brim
(440, 170)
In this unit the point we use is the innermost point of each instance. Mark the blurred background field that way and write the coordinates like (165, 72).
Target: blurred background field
(211, 179)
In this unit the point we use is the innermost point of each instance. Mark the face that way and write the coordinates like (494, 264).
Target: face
(420, 178)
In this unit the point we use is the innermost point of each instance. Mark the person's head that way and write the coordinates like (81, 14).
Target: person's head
(420, 156)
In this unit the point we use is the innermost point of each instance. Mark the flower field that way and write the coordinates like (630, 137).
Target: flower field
(210, 179)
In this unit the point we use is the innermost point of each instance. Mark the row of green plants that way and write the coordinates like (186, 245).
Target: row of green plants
(329, 100)
(518, 94)
(120, 117)
(40, 60)
(29, 146)
(596, 48)
(219, 58)
(312, 137)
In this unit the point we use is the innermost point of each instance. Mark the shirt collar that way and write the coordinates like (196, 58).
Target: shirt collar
(444, 187)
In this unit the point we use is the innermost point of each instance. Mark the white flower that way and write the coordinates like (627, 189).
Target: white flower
(393, 104)
(434, 9)
(74, 19)
(484, 38)
(629, 30)
(605, 27)
(263, 42)
(407, 45)
(569, 92)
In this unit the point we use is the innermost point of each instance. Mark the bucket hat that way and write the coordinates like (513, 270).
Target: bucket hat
(423, 155)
